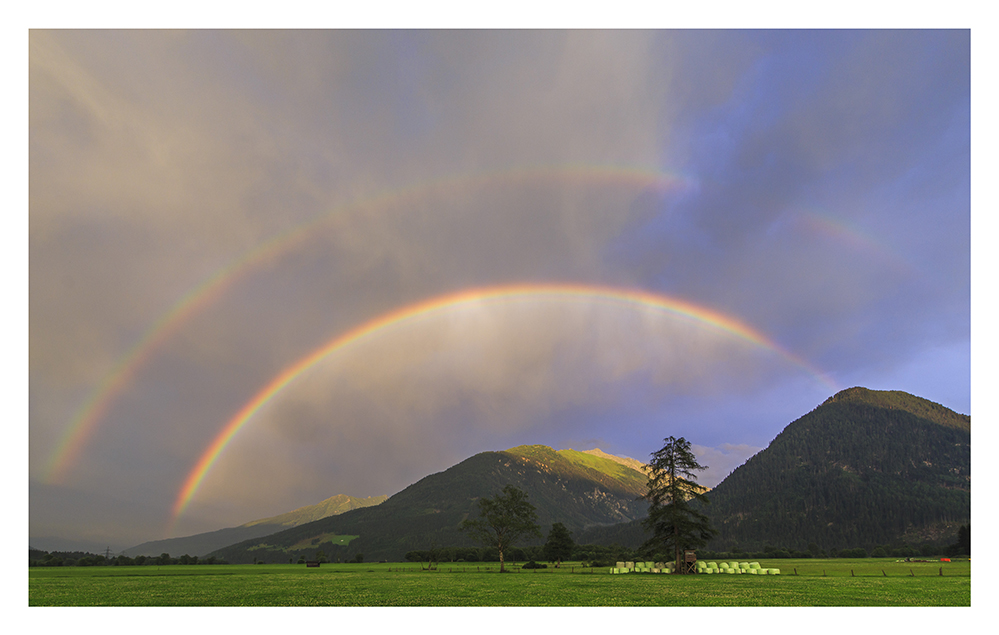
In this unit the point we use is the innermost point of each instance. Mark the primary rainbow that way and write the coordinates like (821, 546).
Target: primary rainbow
(86, 418)
(454, 300)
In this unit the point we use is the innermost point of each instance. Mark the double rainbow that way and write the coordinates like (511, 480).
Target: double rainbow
(84, 421)
(440, 304)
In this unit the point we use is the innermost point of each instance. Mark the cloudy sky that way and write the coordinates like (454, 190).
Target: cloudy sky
(369, 255)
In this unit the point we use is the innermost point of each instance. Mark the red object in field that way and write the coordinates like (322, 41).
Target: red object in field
(944, 559)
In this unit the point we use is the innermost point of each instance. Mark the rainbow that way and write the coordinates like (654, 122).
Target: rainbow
(848, 234)
(84, 421)
(440, 304)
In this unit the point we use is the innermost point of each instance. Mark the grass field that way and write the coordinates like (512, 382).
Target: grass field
(863, 582)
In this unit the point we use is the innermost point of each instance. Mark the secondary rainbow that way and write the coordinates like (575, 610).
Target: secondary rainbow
(847, 233)
(451, 301)
(84, 421)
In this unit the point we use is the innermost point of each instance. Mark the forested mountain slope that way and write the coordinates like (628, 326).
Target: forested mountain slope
(865, 468)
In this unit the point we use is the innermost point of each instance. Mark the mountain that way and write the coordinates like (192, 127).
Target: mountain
(332, 506)
(54, 543)
(865, 468)
(202, 544)
(578, 489)
(634, 464)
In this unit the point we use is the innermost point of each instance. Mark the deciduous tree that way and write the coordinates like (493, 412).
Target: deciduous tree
(503, 519)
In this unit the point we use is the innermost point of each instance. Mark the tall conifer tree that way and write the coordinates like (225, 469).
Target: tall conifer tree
(674, 522)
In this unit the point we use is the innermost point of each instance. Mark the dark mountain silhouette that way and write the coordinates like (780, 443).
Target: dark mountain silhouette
(865, 468)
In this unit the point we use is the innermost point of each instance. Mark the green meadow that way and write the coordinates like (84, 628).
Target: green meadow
(861, 582)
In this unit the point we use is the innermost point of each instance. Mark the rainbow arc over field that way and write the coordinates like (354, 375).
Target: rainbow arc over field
(452, 301)
(86, 418)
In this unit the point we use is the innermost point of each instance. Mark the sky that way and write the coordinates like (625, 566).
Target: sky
(268, 267)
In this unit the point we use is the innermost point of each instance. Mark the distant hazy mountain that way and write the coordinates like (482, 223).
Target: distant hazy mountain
(865, 468)
(202, 544)
(52, 543)
(332, 506)
(578, 489)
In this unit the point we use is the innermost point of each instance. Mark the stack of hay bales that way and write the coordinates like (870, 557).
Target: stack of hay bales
(733, 568)
(730, 568)
(642, 567)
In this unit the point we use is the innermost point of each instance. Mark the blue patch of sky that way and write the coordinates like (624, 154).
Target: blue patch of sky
(941, 374)
(676, 232)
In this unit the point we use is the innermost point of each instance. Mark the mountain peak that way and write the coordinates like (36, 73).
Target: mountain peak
(899, 400)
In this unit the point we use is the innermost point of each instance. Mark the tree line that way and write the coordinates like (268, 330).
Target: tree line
(40, 558)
